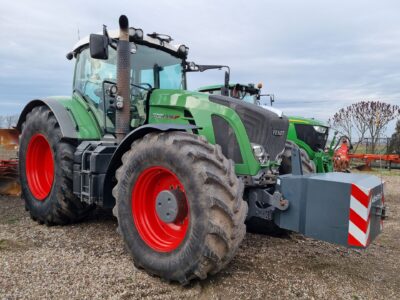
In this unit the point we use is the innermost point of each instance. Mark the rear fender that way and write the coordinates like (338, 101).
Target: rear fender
(68, 127)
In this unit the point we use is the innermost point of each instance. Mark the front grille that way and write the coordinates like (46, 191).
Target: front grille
(311, 137)
(260, 124)
(226, 138)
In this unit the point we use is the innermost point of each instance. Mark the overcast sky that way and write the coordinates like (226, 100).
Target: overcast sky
(315, 56)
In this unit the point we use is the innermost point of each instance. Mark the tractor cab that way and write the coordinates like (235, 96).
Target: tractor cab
(250, 93)
(155, 64)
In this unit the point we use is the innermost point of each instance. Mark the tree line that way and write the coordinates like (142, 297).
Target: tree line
(367, 119)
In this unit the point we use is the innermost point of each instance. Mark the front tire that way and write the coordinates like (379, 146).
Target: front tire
(286, 164)
(45, 168)
(209, 225)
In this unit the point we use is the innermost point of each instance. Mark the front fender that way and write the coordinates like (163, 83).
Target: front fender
(125, 145)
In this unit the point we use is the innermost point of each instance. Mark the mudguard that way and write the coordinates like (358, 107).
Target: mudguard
(67, 124)
(124, 146)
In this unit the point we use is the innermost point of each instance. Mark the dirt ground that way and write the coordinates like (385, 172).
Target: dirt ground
(88, 261)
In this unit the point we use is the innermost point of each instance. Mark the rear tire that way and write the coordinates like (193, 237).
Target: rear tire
(45, 168)
(286, 164)
(211, 227)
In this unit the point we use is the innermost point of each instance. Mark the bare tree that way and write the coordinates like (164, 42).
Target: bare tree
(11, 121)
(378, 115)
(365, 117)
(349, 121)
(342, 122)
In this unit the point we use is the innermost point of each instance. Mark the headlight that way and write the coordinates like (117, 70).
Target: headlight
(320, 129)
(259, 153)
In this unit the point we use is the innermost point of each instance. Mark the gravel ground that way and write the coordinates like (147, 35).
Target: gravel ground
(88, 261)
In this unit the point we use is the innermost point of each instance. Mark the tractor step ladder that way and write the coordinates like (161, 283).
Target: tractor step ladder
(91, 161)
(86, 175)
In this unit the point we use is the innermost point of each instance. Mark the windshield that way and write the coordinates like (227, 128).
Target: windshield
(242, 94)
(248, 98)
(157, 68)
(149, 67)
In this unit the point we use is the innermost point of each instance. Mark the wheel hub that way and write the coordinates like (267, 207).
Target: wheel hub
(160, 209)
(170, 205)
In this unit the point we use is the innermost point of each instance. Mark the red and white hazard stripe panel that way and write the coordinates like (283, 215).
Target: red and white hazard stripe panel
(359, 220)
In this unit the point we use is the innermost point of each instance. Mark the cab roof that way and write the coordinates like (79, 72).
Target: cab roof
(114, 34)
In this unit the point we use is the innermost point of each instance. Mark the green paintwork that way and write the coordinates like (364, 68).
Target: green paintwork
(214, 87)
(307, 121)
(89, 124)
(168, 106)
(323, 161)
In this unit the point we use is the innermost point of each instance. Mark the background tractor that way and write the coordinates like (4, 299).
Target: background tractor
(309, 135)
(182, 170)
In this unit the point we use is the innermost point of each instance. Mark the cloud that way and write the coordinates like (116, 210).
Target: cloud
(315, 56)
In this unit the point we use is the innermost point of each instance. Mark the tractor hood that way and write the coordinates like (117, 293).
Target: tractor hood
(263, 126)
(275, 110)
(307, 121)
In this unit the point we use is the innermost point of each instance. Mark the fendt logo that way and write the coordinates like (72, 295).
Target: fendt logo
(278, 132)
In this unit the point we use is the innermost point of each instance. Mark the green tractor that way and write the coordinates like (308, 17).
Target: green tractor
(309, 135)
(181, 170)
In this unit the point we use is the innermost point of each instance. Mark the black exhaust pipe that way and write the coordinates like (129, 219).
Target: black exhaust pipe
(123, 114)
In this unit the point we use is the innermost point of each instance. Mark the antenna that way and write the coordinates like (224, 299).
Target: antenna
(79, 35)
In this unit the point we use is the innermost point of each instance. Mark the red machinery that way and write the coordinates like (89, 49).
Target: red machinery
(342, 158)
(9, 184)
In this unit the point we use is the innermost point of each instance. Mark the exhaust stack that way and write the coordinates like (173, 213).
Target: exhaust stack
(123, 113)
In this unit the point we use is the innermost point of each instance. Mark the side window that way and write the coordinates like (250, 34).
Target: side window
(90, 74)
(169, 75)
(147, 77)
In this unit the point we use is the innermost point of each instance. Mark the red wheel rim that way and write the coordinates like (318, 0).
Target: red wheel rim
(39, 167)
(158, 235)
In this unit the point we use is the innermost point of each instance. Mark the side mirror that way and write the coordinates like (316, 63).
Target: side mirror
(98, 44)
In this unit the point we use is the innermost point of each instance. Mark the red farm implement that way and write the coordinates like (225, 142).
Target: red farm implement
(9, 184)
(342, 158)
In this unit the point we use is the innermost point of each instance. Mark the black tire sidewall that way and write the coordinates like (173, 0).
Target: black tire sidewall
(190, 250)
(41, 209)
